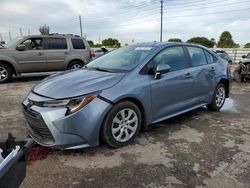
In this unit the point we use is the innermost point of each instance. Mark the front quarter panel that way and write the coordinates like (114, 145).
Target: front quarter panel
(133, 87)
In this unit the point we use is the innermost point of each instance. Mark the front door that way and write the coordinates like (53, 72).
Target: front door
(173, 92)
(33, 58)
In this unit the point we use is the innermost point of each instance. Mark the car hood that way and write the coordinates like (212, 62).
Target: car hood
(76, 83)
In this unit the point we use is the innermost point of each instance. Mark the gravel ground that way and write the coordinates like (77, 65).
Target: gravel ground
(197, 149)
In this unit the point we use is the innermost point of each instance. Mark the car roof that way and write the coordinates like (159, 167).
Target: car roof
(53, 36)
(165, 44)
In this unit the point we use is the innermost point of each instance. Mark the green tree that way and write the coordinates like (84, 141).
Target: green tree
(202, 41)
(174, 40)
(44, 29)
(111, 42)
(247, 45)
(91, 43)
(226, 40)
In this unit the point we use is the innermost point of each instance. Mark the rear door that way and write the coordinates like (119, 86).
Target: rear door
(80, 49)
(203, 74)
(56, 50)
(33, 58)
(173, 92)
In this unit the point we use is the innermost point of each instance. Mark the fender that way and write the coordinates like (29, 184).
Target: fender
(11, 61)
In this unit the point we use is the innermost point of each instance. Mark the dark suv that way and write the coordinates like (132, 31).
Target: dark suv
(42, 53)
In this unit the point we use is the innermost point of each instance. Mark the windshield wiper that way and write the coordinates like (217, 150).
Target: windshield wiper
(98, 69)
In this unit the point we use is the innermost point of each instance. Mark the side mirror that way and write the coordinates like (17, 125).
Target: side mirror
(21, 47)
(161, 69)
(244, 56)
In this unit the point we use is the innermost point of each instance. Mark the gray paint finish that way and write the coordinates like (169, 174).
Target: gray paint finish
(174, 93)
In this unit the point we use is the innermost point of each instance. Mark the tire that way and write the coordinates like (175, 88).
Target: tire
(117, 131)
(5, 73)
(219, 98)
(75, 65)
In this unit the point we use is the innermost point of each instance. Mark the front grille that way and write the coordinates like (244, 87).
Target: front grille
(37, 127)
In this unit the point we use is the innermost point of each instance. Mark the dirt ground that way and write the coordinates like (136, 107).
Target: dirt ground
(197, 149)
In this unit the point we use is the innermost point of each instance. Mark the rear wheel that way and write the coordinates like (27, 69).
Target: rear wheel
(219, 98)
(121, 125)
(5, 73)
(75, 65)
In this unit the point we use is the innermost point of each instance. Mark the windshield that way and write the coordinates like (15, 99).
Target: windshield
(248, 56)
(12, 42)
(123, 59)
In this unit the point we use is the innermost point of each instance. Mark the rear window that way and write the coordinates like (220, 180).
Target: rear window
(78, 44)
(197, 56)
(210, 57)
(56, 43)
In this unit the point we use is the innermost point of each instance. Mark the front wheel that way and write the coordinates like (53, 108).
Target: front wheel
(219, 98)
(5, 73)
(121, 125)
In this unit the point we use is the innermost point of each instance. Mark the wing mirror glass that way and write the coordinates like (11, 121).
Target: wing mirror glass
(21, 47)
(161, 69)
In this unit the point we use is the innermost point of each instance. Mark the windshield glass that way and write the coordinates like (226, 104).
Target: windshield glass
(248, 56)
(12, 42)
(123, 59)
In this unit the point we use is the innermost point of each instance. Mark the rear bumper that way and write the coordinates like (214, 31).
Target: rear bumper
(50, 127)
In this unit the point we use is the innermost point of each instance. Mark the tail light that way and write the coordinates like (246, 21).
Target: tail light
(91, 54)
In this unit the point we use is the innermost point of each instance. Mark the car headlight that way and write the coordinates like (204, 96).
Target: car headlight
(73, 104)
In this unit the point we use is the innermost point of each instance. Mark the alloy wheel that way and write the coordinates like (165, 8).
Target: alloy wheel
(76, 66)
(3, 73)
(220, 96)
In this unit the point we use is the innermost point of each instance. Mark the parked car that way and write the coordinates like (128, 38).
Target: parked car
(242, 72)
(226, 56)
(116, 95)
(100, 52)
(42, 53)
(223, 54)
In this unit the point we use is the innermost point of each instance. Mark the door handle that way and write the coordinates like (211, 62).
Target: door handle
(188, 76)
(40, 53)
(66, 53)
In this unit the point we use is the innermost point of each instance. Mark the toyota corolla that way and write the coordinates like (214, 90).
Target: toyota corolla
(116, 95)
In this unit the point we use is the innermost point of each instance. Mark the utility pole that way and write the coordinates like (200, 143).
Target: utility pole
(21, 33)
(29, 32)
(10, 35)
(80, 20)
(161, 20)
(1, 37)
(99, 39)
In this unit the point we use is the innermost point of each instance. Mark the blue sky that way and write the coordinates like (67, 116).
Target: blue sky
(128, 20)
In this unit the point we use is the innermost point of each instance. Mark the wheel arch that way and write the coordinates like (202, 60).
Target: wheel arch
(78, 60)
(10, 65)
(134, 100)
(227, 85)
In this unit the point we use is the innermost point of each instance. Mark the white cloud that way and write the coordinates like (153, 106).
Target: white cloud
(128, 19)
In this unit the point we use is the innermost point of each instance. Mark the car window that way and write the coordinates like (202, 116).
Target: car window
(197, 56)
(56, 43)
(210, 57)
(173, 56)
(33, 44)
(248, 56)
(78, 44)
